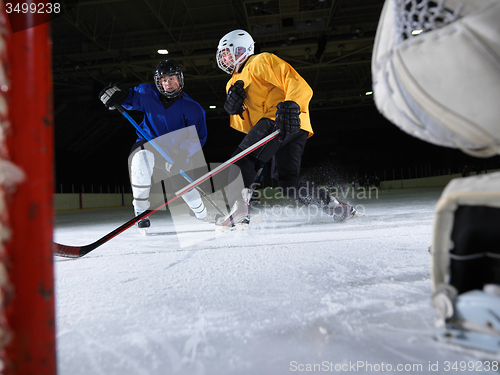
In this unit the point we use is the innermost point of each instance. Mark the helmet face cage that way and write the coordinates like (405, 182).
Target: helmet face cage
(166, 69)
(236, 43)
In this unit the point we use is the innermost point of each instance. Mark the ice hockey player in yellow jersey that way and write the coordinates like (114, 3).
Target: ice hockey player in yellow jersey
(266, 93)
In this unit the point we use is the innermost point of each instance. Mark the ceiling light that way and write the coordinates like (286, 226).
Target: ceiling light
(368, 92)
(416, 32)
(163, 51)
(213, 107)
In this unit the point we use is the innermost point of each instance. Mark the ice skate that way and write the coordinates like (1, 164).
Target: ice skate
(341, 211)
(469, 319)
(209, 218)
(255, 200)
(143, 225)
(345, 212)
(238, 219)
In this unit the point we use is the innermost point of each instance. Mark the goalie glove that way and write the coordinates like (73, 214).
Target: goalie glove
(441, 85)
(112, 96)
(235, 97)
(287, 119)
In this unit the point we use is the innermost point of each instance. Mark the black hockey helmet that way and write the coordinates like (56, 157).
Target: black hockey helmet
(167, 68)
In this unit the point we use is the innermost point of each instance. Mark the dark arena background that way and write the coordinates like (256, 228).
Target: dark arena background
(328, 42)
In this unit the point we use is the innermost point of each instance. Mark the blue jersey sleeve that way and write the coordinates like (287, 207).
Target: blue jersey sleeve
(137, 97)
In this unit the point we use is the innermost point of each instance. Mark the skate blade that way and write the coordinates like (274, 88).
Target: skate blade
(357, 214)
(221, 230)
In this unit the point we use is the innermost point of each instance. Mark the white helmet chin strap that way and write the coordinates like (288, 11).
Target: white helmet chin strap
(241, 61)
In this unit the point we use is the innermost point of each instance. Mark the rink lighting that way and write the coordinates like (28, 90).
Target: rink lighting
(416, 32)
(212, 107)
(163, 51)
(368, 92)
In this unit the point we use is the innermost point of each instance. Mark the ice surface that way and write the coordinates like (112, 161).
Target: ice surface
(294, 296)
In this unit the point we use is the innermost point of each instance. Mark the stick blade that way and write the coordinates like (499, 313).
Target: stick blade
(67, 251)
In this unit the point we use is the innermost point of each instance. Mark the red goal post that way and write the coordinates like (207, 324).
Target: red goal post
(27, 318)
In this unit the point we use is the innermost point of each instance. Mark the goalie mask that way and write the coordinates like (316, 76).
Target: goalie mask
(233, 50)
(169, 78)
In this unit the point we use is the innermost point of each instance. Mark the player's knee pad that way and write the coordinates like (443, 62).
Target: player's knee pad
(141, 167)
(141, 171)
(443, 84)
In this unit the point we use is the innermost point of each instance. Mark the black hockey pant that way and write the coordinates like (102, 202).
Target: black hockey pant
(287, 157)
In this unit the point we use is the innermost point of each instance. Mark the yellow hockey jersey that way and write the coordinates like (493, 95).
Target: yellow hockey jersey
(269, 80)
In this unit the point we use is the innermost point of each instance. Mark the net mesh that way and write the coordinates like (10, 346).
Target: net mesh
(423, 16)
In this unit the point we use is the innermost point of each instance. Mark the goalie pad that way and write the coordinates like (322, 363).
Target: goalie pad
(465, 263)
(441, 85)
(465, 251)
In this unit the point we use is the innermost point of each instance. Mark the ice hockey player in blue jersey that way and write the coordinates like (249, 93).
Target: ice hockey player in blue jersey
(166, 109)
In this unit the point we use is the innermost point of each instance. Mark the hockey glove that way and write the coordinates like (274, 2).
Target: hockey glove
(235, 98)
(287, 119)
(112, 96)
(179, 157)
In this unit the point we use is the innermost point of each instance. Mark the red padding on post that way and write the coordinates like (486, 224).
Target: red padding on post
(30, 306)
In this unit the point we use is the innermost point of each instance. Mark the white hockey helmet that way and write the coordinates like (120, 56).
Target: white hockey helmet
(233, 50)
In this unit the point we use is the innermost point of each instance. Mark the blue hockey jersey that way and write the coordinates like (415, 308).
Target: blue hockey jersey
(183, 113)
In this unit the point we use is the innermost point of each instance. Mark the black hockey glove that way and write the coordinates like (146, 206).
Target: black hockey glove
(287, 119)
(112, 96)
(179, 157)
(235, 98)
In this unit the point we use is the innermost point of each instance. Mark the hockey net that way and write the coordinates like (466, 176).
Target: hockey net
(27, 324)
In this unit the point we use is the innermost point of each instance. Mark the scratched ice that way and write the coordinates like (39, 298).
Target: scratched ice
(295, 296)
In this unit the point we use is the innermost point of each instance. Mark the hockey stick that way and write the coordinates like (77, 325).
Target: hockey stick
(153, 143)
(79, 251)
